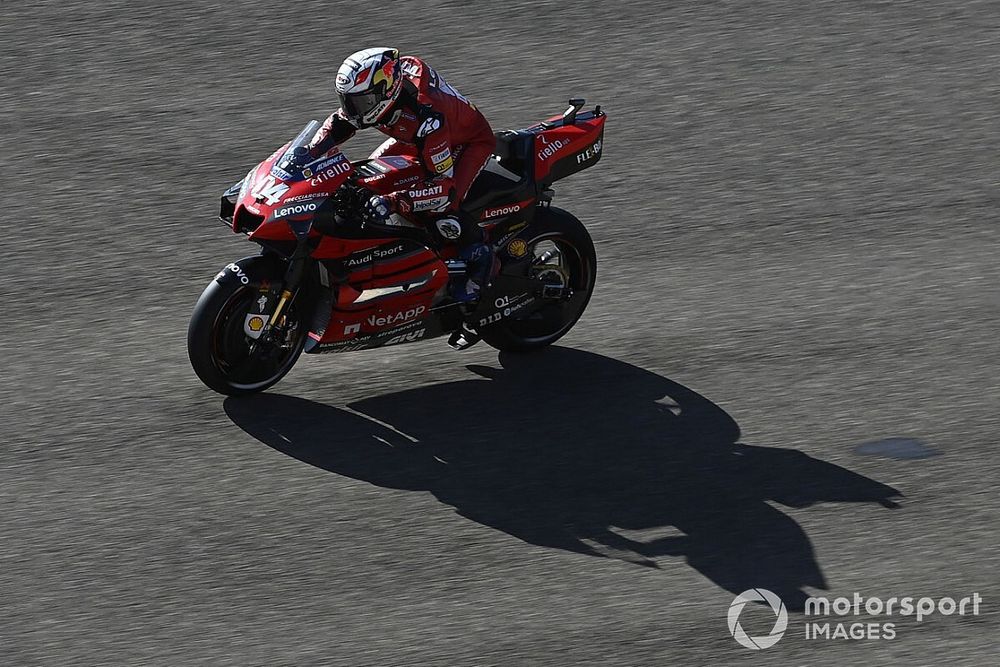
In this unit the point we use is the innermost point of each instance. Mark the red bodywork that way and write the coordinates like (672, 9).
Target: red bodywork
(372, 265)
(393, 282)
(573, 146)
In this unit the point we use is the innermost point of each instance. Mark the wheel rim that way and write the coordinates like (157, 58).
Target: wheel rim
(554, 319)
(246, 364)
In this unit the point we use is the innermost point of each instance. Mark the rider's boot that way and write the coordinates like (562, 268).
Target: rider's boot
(483, 266)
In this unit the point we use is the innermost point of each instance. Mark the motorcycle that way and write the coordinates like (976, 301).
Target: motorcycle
(329, 280)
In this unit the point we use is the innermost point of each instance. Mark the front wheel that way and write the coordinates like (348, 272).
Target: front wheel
(222, 350)
(562, 255)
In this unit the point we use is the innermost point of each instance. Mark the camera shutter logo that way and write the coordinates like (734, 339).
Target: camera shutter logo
(780, 621)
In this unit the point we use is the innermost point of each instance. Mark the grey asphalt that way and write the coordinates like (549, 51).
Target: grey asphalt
(795, 217)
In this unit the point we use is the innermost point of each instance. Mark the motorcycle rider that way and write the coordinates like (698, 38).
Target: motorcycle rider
(427, 119)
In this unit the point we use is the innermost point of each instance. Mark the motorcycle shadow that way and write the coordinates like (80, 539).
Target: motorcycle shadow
(566, 449)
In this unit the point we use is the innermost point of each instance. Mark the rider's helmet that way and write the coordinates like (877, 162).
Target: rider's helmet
(368, 84)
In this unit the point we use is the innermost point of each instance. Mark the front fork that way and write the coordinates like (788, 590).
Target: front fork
(297, 265)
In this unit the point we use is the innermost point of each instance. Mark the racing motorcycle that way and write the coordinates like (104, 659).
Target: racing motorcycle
(328, 279)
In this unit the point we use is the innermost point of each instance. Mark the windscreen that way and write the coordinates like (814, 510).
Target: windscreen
(298, 154)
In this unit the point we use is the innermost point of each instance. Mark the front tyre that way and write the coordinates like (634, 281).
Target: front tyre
(223, 356)
(562, 253)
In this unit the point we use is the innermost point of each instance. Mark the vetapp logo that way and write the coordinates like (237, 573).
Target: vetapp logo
(780, 621)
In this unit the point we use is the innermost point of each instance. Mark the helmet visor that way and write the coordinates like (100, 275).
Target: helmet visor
(358, 105)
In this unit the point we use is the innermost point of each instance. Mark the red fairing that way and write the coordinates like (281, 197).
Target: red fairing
(386, 284)
(385, 293)
(572, 147)
(267, 195)
(395, 172)
(335, 248)
(389, 282)
(502, 211)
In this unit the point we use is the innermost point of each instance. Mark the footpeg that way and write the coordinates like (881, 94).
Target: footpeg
(457, 267)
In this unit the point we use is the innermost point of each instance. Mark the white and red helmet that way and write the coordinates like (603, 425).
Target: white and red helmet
(368, 84)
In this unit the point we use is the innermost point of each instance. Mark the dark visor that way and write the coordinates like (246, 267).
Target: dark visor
(359, 104)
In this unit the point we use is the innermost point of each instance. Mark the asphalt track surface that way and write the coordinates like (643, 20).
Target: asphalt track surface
(796, 222)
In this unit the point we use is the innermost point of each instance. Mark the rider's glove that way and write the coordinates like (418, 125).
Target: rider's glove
(400, 202)
(378, 209)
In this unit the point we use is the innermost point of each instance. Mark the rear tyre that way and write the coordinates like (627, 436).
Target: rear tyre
(562, 251)
(223, 356)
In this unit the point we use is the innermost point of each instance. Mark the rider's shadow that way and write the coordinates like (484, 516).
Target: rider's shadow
(566, 449)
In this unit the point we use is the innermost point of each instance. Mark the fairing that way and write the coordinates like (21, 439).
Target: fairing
(291, 184)
(390, 174)
(385, 291)
(562, 148)
(391, 286)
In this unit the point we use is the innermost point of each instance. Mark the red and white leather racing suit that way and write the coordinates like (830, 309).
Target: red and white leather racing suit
(434, 123)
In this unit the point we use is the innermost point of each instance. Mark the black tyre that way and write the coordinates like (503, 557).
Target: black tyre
(223, 356)
(562, 250)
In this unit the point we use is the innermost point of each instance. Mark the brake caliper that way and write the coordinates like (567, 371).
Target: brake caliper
(553, 281)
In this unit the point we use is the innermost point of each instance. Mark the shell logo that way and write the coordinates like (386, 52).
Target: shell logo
(517, 248)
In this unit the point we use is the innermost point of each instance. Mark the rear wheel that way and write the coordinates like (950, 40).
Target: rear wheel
(563, 257)
(224, 356)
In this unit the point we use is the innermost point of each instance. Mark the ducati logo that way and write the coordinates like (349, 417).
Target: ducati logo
(426, 192)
